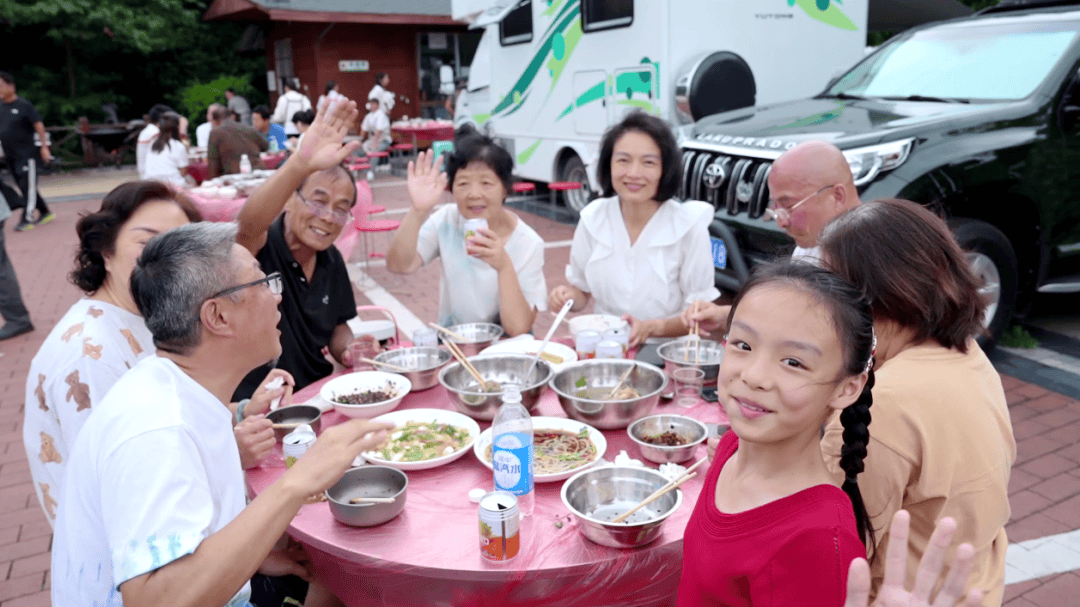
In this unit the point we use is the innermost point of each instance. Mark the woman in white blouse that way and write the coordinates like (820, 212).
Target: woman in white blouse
(168, 155)
(643, 255)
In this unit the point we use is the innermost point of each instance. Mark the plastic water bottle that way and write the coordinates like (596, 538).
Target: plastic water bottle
(512, 449)
(273, 145)
(245, 164)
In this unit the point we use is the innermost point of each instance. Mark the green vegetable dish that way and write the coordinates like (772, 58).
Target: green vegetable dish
(420, 441)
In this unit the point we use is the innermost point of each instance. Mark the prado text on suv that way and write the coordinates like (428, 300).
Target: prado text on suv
(978, 118)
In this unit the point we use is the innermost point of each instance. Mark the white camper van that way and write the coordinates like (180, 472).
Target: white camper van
(549, 76)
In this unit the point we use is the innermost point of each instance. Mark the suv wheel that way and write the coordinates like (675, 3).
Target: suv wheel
(993, 260)
(574, 170)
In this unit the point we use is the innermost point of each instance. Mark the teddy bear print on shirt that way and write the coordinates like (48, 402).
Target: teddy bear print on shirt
(39, 391)
(94, 312)
(77, 390)
(71, 332)
(136, 349)
(50, 503)
(48, 450)
(89, 349)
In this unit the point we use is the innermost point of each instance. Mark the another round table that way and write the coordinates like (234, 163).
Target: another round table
(429, 554)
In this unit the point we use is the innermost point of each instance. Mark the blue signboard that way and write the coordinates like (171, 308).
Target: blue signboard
(719, 253)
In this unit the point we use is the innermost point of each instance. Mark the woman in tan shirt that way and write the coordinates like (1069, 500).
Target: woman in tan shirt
(941, 442)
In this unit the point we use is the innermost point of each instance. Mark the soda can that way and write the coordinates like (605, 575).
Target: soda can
(296, 443)
(471, 227)
(499, 526)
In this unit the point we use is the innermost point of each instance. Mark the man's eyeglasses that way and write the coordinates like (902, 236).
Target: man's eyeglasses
(321, 209)
(273, 282)
(778, 213)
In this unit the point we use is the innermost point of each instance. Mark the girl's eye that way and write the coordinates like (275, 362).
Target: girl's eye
(791, 362)
(739, 344)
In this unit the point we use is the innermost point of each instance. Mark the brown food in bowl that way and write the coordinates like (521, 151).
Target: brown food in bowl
(367, 397)
(668, 439)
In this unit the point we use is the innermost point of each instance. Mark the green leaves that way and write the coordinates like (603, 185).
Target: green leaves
(580, 383)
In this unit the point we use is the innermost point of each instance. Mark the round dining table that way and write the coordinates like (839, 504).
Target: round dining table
(429, 555)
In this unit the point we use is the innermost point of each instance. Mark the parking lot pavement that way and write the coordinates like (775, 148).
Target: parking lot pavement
(1044, 558)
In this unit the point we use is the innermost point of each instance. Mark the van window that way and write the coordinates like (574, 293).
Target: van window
(517, 26)
(606, 14)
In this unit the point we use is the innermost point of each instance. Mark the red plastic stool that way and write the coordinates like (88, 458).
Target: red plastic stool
(524, 187)
(377, 156)
(562, 186)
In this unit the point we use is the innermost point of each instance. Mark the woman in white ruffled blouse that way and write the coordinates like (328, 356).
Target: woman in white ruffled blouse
(643, 255)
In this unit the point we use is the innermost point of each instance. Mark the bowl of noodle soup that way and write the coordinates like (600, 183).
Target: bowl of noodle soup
(562, 448)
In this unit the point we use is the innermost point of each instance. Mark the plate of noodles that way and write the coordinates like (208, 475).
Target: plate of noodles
(424, 438)
(561, 448)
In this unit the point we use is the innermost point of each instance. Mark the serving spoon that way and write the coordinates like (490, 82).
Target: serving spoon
(555, 325)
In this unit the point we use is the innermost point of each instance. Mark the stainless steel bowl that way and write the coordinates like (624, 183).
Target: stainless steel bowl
(478, 335)
(681, 353)
(367, 481)
(587, 403)
(598, 495)
(295, 414)
(423, 364)
(503, 368)
(690, 429)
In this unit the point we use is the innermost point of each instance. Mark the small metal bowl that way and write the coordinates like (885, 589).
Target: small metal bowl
(466, 396)
(598, 495)
(295, 414)
(688, 428)
(423, 364)
(681, 353)
(367, 481)
(587, 404)
(478, 335)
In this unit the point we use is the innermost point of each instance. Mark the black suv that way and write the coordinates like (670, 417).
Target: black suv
(977, 117)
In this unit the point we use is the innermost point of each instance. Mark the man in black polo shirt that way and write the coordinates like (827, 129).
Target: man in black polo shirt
(19, 119)
(317, 195)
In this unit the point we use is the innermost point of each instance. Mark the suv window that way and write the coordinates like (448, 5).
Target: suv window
(517, 26)
(964, 59)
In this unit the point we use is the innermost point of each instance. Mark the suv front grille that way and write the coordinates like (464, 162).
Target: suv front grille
(735, 184)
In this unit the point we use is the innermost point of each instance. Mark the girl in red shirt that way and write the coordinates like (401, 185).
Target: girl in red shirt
(770, 528)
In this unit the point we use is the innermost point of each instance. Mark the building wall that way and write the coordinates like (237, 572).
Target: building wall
(387, 48)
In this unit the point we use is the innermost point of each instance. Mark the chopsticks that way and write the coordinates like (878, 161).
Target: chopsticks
(285, 426)
(695, 336)
(622, 380)
(465, 363)
(689, 474)
(446, 331)
(372, 500)
(382, 364)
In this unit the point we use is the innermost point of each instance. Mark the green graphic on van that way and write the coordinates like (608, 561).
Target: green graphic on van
(519, 92)
(826, 12)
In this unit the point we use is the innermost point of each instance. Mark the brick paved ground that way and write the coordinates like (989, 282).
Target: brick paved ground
(1044, 489)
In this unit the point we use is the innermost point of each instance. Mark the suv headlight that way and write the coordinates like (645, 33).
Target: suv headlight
(869, 162)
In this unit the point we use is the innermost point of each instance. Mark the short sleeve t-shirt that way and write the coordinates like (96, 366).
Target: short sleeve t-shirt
(469, 288)
(17, 121)
(309, 311)
(166, 165)
(377, 121)
(154, 472)
(87, 351)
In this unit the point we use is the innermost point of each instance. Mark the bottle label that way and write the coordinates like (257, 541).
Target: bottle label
(512, 457)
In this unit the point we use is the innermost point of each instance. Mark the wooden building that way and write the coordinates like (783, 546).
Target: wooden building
(350, 41)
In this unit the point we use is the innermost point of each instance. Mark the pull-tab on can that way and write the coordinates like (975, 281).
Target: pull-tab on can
(499, 526)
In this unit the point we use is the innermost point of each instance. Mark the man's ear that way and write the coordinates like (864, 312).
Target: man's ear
(217, 317)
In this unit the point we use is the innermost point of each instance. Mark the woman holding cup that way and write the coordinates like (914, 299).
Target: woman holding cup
(493, 270)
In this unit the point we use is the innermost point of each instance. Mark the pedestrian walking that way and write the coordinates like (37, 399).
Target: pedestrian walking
(19, 120)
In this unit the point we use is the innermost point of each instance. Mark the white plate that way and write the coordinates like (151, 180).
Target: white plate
(529, 347)
(550, 423)
(594, 322)
(365, 380)
(440, 416)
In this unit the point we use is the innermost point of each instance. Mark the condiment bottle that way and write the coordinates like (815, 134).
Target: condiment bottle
(512, 449)
(620, 335)
(609, 349)
(245, 164)
(585, 344)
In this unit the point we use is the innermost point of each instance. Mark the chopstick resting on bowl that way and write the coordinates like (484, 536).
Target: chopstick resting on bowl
(689, 474)
(372, 500)
(465, 363)
(287, 425)
(695, 336)
(622, 380)
(448, 332)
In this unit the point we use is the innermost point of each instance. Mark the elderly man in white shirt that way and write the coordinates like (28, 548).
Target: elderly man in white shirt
(154, 510)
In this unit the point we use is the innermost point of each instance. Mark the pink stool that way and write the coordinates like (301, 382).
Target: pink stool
(525, 188)
(562, 186)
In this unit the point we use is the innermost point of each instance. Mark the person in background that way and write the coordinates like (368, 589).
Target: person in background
(642, 254)
(302, 121)
(809, 185)
(943, 442)
(202, 132)
(229, 141)
(12, 307)
(168, 154)
(381, 93)
(496, 276)
(154, 508)
(375, 129)
(331, 92)
(238, 105)
(19, 120)
(316, 194)
(147, 135)
(290, 102)
(274, 133)
(800, 348)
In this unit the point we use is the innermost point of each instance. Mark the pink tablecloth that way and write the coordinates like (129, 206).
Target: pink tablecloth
(429, 555)
(198, 170)
(217, 209)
